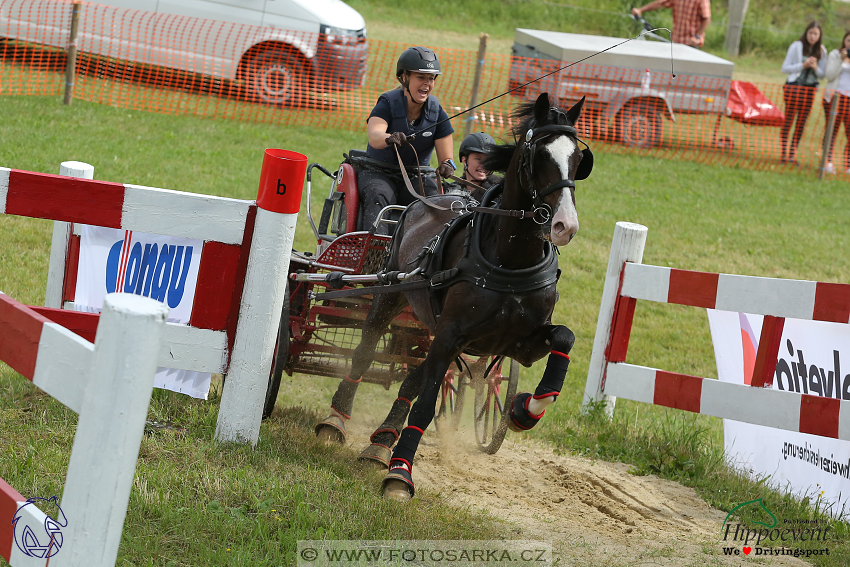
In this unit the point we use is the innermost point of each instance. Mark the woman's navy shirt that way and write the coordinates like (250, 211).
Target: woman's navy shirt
(392, 107)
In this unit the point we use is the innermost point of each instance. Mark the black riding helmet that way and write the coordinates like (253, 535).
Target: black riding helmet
(418, 59)
(476, 142)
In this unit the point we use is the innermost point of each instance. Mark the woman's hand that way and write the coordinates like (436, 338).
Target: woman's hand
(397, 139)
(445, 169)
(811, 63)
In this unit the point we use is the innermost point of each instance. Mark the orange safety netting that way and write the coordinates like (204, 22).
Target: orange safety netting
(174, 64)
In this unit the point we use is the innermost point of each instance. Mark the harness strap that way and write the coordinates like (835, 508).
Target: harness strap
(493, 211)
(463, 181)
(421, 183)
(369, 290)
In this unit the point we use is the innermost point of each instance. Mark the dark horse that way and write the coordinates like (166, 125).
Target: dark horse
(498, 302)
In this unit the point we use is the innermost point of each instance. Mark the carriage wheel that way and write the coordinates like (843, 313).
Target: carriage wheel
(450, 402)
(281, 354)
(639, 125)
(492, 407)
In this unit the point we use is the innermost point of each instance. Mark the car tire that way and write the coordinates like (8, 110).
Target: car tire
(275, 77)
(639, 125)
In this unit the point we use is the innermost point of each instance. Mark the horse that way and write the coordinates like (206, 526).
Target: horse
(493, 292)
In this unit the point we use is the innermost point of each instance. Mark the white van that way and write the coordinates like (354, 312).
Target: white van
(277, 48)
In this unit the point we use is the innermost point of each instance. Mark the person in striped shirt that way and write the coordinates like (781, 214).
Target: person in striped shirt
(690, 19)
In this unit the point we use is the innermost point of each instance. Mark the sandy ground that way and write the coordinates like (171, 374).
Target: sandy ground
(593, 512)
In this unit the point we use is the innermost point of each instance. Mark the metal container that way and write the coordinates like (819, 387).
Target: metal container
(632, 83)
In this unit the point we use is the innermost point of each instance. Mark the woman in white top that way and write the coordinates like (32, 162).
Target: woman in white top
(804, 64)
(838, 75)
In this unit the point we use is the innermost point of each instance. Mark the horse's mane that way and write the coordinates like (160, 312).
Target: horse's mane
(499, 156)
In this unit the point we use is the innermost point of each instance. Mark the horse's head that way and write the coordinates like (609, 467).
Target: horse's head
(550, 162)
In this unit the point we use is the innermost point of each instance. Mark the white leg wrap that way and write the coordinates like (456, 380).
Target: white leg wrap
(536, 407)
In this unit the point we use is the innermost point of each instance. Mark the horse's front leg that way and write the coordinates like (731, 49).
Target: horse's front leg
(526, 408)
(382, 439)
(398, 484)
(384, 309)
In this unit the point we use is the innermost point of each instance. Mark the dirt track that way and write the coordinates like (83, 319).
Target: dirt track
(594, 513)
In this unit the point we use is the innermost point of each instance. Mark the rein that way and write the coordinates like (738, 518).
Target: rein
(526, 165)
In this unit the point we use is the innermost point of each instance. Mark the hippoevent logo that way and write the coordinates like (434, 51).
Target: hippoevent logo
(779, 538)
(157, 270)
(39, 541)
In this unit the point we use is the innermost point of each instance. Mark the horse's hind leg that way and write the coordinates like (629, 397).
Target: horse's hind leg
(383, 438)
(384, 309)
(526, 408)
(398, 484)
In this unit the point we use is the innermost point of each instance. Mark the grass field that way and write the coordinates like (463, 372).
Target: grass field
(201, 497)
(192, 498)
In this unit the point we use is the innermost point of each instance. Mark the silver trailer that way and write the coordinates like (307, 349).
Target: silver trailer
(629, 87)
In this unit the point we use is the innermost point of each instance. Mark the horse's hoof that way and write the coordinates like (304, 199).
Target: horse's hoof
(396, 490)
(376, 454)
(331, 430)
(521, 418)
(398, 484)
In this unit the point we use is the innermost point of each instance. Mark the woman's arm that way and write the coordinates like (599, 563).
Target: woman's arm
(833, 65)
(793, 59)
(377, 132)
(445, 149)
(820, 71)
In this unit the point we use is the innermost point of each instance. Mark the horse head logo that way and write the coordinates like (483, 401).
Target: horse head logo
(31, 544)
(757, 504)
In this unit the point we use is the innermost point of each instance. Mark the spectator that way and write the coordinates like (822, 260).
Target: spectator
(690, 19)
(805, 64)
(397, 114)
(838, 75)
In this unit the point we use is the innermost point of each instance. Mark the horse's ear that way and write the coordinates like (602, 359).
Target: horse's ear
(541, 109)
(575, 111)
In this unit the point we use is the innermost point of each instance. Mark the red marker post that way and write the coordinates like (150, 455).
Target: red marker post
(278, 202)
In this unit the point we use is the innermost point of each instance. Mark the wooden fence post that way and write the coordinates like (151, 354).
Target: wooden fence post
(476, 83)
(71, 61)
(827, 135)
(627, 246)
(59, 245)
(737, 13)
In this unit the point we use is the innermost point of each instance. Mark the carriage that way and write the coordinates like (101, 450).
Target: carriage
(317, 336)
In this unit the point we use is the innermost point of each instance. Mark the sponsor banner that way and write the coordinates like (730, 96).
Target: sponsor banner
(164, 268)
(810, 361)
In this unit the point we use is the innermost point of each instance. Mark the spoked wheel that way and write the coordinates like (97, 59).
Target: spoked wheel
(492, 407)
(281, 354)
(450, 402)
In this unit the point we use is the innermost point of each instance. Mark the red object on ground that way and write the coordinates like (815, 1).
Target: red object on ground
(748, 105)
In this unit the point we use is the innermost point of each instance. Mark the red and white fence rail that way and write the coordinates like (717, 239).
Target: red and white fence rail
(627, 280)
(241, 278)
(109, 384)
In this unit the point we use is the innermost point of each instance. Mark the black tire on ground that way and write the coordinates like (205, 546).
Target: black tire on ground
(275, 77)
(492, 408)
(639, 125)
(281, 354)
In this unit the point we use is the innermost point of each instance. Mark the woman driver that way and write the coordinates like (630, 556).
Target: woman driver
(398, 113)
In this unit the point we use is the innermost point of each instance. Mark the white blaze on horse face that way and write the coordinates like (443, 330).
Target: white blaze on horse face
(565, 216)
